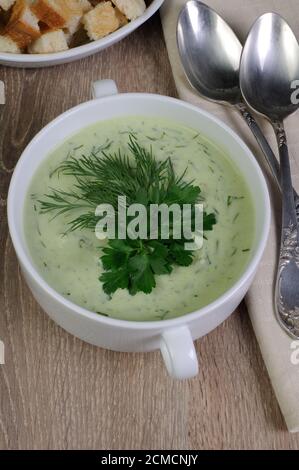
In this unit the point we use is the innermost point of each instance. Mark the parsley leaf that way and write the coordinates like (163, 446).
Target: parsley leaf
(113, 280)
(141, 178)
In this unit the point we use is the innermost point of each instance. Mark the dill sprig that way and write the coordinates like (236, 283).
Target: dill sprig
(141, 178)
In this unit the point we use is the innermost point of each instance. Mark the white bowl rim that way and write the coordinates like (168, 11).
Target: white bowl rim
(128, 324)
(86, 49)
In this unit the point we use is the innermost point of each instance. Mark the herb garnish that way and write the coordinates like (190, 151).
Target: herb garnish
(141, 178)
(230, 199)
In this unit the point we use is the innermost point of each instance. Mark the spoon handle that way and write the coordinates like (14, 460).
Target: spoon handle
(266, 149)
(288, 204)
(261, 140)
(286, 292)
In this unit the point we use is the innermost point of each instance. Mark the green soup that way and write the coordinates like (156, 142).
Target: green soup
(71, 263)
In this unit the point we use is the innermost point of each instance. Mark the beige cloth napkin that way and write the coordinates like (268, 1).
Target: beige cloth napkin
(278, 350)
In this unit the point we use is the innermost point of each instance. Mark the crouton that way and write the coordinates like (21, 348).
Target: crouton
(23, 25)
(74, 12)
(132, 9)
(68, 37)
(59, 14)
(8, 45)
(101, 21)
(85, 5)
(52, 41)
(123, 20)
(6, 4)
(50, 12)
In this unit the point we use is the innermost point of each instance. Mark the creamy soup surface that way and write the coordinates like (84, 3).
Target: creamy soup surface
(71, 263)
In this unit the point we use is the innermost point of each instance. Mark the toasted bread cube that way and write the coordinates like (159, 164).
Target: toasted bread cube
(74, 13)
(132, 9)
(85, 5)
(8, 45)
(50, 12)
(68, 37)
(123, 20)
(60, 13)
(52, 41)
(100, 21)
(6, 4)
(23, 25)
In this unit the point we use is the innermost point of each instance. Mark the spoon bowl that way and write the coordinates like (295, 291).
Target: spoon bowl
(210, 53)
(269, 69)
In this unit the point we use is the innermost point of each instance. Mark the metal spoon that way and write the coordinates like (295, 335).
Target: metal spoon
(269, 67)
(210, 52)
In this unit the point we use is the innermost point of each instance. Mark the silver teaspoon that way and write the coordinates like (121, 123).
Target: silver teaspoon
(210, 53)
(269, 66)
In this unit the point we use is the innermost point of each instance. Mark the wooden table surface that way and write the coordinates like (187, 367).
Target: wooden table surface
(57, 392)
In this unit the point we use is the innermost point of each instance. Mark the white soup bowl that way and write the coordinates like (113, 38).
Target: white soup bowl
(173, 337)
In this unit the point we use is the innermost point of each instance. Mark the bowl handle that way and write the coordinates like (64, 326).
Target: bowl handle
(102, 88)
(179, 353)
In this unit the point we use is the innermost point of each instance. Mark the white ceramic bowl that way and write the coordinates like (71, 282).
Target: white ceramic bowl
(174, 337)
(46, 60)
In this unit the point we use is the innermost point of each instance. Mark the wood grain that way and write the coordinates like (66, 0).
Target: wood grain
(57, 392)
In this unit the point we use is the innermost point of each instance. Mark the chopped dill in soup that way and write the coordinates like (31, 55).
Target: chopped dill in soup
(147, 160)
